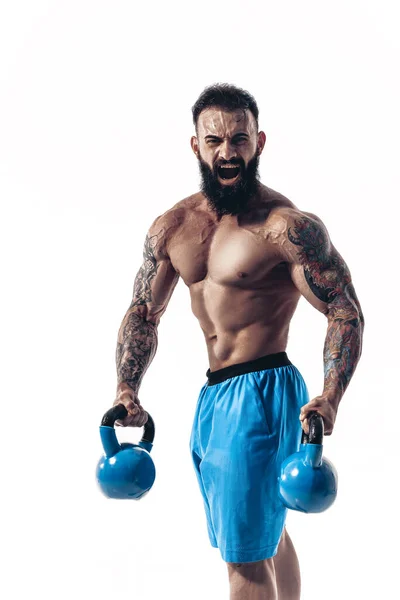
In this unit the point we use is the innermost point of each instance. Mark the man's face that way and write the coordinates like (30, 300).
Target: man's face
(228, 147)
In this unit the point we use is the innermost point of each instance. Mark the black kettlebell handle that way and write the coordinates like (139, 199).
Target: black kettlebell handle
(316, 426)
(119, 412)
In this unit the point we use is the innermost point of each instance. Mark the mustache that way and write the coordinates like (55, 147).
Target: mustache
(235, 162)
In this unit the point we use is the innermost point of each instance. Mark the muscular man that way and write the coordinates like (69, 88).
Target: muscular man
(246, 253)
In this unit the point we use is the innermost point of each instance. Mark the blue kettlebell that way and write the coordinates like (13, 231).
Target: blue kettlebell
(308, 481)
(125, 471)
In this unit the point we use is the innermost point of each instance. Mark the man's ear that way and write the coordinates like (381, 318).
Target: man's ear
(262, 138)
(195, 145)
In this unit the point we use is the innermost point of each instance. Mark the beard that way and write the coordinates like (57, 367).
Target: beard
(230, 199)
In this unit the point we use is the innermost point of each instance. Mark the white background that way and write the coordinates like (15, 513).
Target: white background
(95, 123)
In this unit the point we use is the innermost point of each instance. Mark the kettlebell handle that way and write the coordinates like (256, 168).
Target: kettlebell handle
(119, 412)
(316, 426)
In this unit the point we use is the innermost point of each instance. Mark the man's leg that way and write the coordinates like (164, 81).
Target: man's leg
(253, 581)
(287, 569)
(276, 578)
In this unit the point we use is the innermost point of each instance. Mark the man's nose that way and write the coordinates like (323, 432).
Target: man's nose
(227, 150)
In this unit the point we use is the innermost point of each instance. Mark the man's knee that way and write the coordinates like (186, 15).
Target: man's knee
(261, 572)
(250, 566)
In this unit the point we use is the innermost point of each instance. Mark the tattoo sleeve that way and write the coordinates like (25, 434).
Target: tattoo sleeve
(137, 336)
(136, 347)
(328, 277)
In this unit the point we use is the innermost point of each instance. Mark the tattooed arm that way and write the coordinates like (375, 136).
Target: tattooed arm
(137, 336)
(322, 276)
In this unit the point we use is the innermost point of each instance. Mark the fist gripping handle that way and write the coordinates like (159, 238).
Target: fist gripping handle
(119, 412)
(316, 427)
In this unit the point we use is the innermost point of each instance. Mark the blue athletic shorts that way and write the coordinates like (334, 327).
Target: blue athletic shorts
(246, 423)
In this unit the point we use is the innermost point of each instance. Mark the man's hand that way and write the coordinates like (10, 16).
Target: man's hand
(136, 416)
(323, 405)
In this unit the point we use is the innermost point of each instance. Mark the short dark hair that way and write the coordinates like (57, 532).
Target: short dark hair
(225, 96)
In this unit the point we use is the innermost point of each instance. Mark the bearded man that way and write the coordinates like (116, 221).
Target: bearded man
(247, 254)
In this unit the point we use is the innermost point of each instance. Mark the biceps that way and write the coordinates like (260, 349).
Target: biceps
(327, 288)
(153, 287)
(321, 280)
(308, 288)
(318, 270)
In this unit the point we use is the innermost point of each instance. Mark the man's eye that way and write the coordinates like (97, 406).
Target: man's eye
(240, 140)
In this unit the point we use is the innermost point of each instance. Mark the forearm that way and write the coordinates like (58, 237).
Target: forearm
(342, 348)
(136, 347)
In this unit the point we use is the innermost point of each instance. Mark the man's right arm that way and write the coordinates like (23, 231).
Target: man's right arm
(137, 336)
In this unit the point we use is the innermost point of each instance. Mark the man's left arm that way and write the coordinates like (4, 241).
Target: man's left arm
(323, 278)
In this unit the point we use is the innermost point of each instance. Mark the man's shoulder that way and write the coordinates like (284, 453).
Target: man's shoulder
(285, 213)
(285, 219)
(174, 216)
(167, 224)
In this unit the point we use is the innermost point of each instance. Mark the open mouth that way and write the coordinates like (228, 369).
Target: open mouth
(229, 172)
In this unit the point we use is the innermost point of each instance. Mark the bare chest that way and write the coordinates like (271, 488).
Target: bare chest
(226, 252)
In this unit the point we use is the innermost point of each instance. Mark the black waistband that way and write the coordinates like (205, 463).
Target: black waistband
(270, 361)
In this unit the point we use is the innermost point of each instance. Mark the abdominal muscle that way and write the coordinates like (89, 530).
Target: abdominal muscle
(240, 325)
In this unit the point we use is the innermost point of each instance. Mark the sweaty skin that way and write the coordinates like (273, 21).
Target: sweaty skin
(245, 275)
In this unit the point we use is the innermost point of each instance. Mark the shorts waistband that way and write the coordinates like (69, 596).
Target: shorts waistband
(269, 361)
